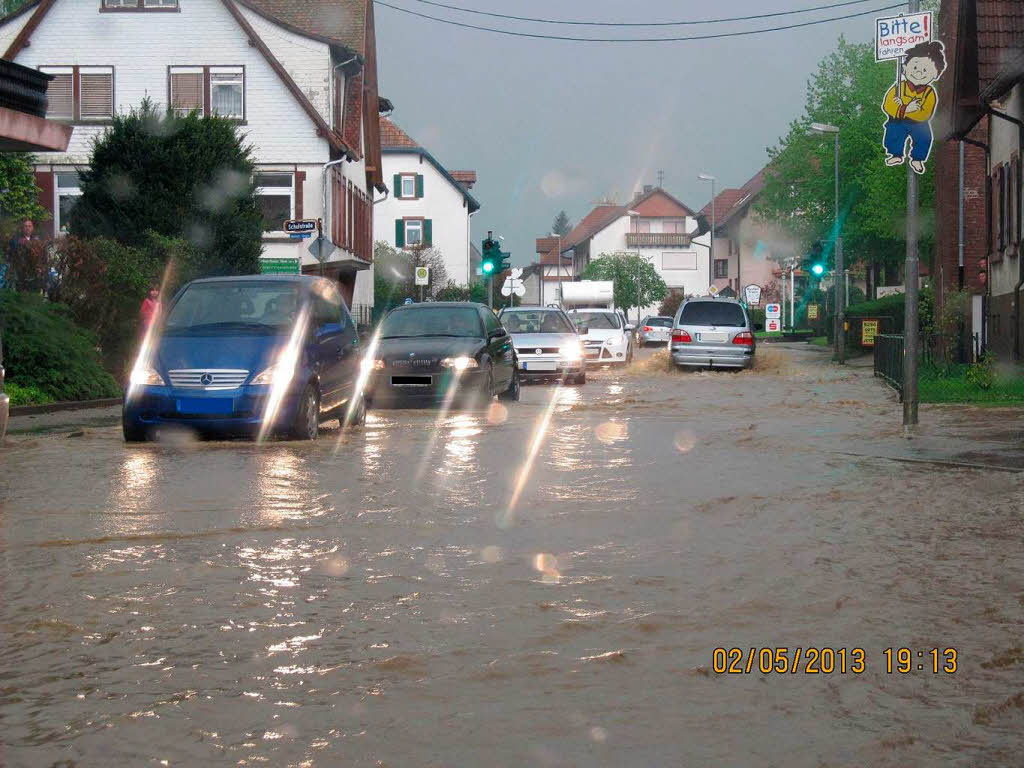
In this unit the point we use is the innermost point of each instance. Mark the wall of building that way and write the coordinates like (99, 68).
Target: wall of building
(442, 202)
(752, 248)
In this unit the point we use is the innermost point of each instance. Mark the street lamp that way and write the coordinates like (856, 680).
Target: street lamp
(823, 129)
(711, 247)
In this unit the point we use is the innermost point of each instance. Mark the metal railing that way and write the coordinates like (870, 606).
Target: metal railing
(889, 360)
(657, 239)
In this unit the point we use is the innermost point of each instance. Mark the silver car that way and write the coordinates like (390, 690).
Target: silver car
(713, 333)
(547, 343)
(654, 330)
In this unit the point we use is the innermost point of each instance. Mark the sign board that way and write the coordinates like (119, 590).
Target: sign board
(753, 294)
(300, 235)
(321, 248)
(812, 311)
(773, 324)
(895, 35)
(511, 286)
(280, 267)
(868, 331)
(422, 275)
(772, 311)
(712, 290)
(300, 226)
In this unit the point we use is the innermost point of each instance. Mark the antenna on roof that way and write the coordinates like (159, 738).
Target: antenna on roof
(661, 179)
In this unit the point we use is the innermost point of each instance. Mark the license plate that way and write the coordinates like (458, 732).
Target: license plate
(540, 366)
(713, 336)
(206, 406)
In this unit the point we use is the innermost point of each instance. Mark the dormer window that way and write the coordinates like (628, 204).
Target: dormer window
(139, 5)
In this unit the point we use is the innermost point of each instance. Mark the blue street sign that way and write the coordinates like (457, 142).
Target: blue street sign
(300, 235)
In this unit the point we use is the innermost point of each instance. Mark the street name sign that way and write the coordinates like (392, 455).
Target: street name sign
(280, 267)
(300, 235)
(300, 226)
(422, 275)
(773, 311)
(753, 294)
(895, 35)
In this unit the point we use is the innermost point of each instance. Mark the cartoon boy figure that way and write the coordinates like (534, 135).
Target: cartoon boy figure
(910, 105)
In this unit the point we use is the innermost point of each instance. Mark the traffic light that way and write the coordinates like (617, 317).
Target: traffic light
(490, 254)
(816, 259)
(505, 262)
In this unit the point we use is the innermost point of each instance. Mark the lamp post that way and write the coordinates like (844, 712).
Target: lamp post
(711, 248)
(840, 327)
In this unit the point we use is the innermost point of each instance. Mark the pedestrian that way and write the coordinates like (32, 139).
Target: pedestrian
(150, 308)
(18, 256)
(23, 238)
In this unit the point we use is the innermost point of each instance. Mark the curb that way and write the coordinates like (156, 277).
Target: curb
(73, 405)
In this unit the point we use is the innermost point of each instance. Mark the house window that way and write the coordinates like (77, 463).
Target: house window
(643, 225)
(67, 192)
(186, 85)
(208, 90)
(275, 193)
(136, 5)
(227, 92)
(80, 93)
(408, 186)
(413, 233)
(721, 268)
(674, 226)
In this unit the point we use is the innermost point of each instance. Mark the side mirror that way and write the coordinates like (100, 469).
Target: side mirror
(327, 329)
(499, 333)
(630, 327)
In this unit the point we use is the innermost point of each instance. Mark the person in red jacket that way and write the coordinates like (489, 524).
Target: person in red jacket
(150, 308)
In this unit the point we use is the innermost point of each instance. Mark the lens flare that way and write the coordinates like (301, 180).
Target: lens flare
(143, 365)
(497, 414)
(685, 441)
(439, 422)
(491, 554)
(547, 566)
(366, 370)
(285, 364)
(611, 432)
(539, 433)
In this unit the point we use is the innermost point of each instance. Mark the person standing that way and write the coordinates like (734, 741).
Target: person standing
(16, 252)
(150, 309)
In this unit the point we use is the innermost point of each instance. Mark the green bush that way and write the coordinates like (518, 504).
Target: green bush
(26, 395)
(44, 348)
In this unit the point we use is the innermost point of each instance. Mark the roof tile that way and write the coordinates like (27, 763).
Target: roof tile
(340, 21)
(392, 137)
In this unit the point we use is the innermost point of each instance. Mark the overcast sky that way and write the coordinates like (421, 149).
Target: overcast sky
(550, 125)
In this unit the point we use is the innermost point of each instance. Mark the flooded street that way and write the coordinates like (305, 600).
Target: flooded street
(538, 584)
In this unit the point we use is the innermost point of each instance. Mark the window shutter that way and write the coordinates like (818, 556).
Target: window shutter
(428, 229)
(397, 189)
(399, 233)
(97, 95)
(60, 96)
(419, 185)
(1002, 207)
(186, 92)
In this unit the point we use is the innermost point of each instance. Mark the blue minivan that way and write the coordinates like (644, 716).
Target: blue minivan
(249, 355)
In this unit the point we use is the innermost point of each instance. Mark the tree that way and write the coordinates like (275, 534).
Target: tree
(185, 177)
(561, 225)
(10, 6)
(19, 198)
(846, 91)
(394, 277)
(670, 304)
(637, 282)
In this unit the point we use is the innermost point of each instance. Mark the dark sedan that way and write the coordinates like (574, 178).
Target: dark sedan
(425, 353)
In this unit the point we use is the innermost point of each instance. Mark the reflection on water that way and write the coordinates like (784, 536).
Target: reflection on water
(284, 486)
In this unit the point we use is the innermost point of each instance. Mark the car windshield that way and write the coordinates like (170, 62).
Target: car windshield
(658, 322)
(535, 321)
(235, 307)
(599, 320)
(432, 321)
(712, 313)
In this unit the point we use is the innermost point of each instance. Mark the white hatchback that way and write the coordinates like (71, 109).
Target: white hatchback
(607, 336)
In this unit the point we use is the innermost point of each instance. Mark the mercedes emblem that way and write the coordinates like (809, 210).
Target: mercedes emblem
(206, 379)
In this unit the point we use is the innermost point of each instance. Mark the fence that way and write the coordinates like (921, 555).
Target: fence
(889, 360)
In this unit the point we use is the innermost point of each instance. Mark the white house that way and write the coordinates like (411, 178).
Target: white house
(300, 79)
(429, 206)
(656, 227)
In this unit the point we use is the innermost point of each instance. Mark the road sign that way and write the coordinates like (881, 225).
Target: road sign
(300, 235)
(753, 294)
(513, 285)
(868, 331)
(321, 248)
(773, 324)
(812, 311)
(422, 276)
(299, 226)
(773, 311)
(712, 290)
(895, 35)
(280, 266)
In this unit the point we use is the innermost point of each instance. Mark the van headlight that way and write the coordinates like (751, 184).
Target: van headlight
(275, 374)
(571, 352)
(147, 376)
(460, 363)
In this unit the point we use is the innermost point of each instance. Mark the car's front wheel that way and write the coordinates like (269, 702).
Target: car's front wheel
(358, 417)
(133, 432)
(306, 424)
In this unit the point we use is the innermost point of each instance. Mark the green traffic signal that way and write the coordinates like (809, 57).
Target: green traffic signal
(818, 270)
(487, 266)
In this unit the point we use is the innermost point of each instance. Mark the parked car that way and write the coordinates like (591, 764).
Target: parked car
(547, 343)
(426, 353)
(606, 335)
(714, 333)
(241, 355)
(654, 330)
(5, 401)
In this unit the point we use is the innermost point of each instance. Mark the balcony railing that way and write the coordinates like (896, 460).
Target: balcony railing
(657, 240)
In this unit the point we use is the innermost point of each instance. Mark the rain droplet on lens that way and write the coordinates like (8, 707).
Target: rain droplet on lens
(336, 566)
(685, 441)
(497, 414)
(598, 734)
(491, 554)
(611, 432)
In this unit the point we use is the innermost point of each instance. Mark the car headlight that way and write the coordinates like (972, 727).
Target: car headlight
(571, 352)
(460, 363)
(147, 375)
(611, 342)
(275, 374)
(371, 364)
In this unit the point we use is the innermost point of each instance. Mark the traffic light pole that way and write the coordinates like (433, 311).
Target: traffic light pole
(490, 291)
(910, 313)
(840, 329)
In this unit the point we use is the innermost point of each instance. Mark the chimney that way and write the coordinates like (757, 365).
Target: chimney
(648, 188)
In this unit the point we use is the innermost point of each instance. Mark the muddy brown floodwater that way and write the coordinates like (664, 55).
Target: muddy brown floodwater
(376, 599)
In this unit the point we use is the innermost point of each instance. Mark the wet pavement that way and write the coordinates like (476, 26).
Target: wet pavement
(538, 584)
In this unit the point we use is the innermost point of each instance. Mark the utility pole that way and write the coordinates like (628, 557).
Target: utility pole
(911, 269)
(840, 306)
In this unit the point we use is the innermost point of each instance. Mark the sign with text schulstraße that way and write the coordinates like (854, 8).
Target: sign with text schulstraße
(300, 226)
